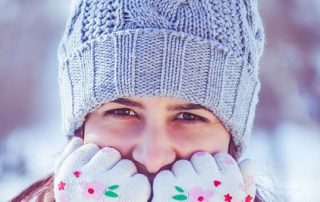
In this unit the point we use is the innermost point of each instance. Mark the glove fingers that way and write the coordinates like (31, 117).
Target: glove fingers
(164, 178)
(80, 157)
(105, 159)
(122, 170)
(137, 189)
(228, 166)
(164, 186)
(74, 143)
(247, 170)
(205, 165)
(183, 169)
(232, 177)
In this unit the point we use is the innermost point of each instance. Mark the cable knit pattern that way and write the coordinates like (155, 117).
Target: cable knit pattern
(201, 51)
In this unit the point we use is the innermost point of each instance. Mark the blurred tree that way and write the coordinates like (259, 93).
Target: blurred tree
(290, 73)
(27, 31)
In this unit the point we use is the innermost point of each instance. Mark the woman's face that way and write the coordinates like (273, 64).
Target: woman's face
(154, 132)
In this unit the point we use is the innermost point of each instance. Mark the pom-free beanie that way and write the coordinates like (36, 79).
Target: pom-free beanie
(201, 51)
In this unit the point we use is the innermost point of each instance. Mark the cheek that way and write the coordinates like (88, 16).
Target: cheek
(109, 135)
(208, 139)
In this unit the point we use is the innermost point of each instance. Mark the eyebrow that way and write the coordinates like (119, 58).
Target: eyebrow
(188, 106)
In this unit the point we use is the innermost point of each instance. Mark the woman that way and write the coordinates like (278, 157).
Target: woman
(159, 87)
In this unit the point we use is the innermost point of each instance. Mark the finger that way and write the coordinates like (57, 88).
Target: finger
(105, 159)
(164, 178)
(164, 186)
(205, 165)
(123, 170)
(228, 166)
(247, 170)
(74, 143)
(80, 157)
(183, 169)
(138, 189)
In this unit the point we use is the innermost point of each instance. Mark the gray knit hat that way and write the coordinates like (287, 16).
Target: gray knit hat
(200, 51)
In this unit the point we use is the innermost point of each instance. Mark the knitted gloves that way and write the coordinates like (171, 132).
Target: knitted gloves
(205, 178)
(87, 173)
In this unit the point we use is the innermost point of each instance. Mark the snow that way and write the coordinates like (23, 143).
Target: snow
(300, 157)
(39, 148)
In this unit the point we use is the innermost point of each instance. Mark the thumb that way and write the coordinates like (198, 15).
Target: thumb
(247, 170)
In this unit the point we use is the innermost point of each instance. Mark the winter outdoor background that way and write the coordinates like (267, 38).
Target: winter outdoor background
(286, 133)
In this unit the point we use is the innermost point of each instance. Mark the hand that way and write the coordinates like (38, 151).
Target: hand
(205, 178)
(87, 173)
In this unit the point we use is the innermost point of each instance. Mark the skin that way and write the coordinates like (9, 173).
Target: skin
(153, 136)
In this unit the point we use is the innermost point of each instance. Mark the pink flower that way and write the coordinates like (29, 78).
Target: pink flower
(92, 190)
(197, 194)
(61, 185)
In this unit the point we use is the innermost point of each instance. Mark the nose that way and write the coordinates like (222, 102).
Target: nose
(154, 149)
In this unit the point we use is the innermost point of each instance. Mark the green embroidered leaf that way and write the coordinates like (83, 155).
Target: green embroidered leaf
(179, 189)
(113, 187)
(111, 194)
(180, 197)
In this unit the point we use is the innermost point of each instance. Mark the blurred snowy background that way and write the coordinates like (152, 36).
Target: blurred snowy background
(286, 131)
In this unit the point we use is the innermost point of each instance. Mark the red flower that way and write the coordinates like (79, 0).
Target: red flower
(216, 183)
(227, 198)
(249, 198)
(77, 173)
(198, 194)
(61, 185)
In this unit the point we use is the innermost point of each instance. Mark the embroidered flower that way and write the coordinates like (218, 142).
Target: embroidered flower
(197, 194)
(92, 190)
(61, 185)
(248, 198)
(77, 173)
(217, 183)
(227, 198)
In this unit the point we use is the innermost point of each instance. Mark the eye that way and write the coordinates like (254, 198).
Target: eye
(120, 113)
(125, 113)
(190, 118)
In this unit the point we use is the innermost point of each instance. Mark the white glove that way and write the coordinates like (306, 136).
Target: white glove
(87, 173)
(205, 178)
